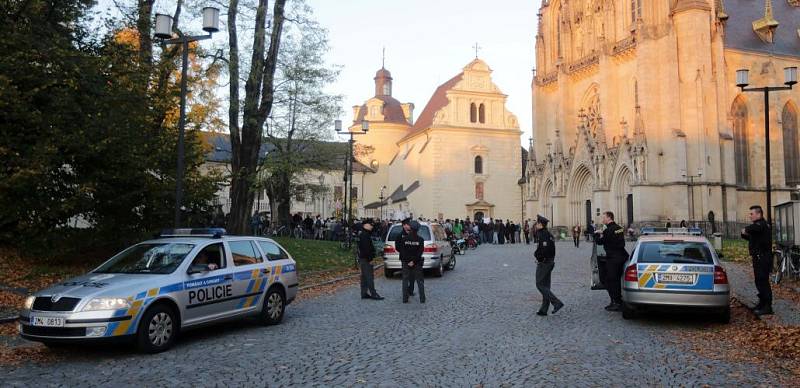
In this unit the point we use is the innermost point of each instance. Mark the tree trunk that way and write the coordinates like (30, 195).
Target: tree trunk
(246, 142)
(145, 28)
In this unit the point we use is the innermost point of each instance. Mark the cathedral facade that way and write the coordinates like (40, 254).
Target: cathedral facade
(460, 158)
(636, 109)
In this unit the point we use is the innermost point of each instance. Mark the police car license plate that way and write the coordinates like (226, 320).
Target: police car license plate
(675, 278)
(47, 321)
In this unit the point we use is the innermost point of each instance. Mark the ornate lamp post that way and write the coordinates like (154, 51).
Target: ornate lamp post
(348, 173)
(742, 81)
(164, 32)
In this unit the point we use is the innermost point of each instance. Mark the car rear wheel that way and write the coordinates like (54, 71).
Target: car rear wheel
(274, 307)
(387, 273)
(452, 264)
(724, 316)
(157, 329)
(628, 311)
(439, 271)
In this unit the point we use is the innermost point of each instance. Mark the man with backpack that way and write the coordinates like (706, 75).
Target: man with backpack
(545, 256)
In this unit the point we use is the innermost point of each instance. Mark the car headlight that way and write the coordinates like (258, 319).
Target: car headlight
(29, 302)
(98, 304)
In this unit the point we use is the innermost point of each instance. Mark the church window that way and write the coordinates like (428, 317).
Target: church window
(473, 113)
(482, 114)
(337, 193)
(633, 11)
(741, 146)
(478, 165)
(791, 146)
(479, 191)
(558, 33)
(636, 93)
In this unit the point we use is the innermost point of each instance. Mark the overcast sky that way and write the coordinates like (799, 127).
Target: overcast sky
(428, 42)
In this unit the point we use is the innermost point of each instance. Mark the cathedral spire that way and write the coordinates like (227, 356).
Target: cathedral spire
(721, 15)
(766, 26)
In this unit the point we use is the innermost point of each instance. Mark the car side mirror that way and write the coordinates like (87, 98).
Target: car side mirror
(197, 268)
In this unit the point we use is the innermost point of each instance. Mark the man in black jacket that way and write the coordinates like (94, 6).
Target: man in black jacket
(410, 248)
(759, 243)
(366, 253)
(545, 255)
(613, 240)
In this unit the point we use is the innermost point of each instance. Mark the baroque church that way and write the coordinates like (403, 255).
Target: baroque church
(460, 158)
(636, 109)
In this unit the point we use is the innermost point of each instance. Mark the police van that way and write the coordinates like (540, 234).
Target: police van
(151, 291)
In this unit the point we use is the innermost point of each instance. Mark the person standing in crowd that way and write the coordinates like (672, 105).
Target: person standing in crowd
(576, 235)
(366, 253)
(518, 233)
(527, 230)
(458, 229)
(545, 255)
(410, 248)
(318, 228)
(613, 240)
(758, 239)
(589, 232)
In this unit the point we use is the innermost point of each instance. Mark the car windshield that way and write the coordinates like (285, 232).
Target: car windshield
(151, 258)
(396, 230)
(677, 252)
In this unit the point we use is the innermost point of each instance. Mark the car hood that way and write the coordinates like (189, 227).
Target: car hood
(103, 284)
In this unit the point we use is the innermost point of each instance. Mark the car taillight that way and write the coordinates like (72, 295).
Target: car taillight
(389, 248)
(631, 275)
(432, 248)
(720, 277)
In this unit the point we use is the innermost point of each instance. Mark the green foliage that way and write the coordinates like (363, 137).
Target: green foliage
(81, 136)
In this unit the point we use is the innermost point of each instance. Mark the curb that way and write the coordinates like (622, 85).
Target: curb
(337, 280)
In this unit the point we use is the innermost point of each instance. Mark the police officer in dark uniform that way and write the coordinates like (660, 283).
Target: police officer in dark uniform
(410, 248)
(759, 243)
(545, 255)
(366, 253)
(406, 227)
(613, 240)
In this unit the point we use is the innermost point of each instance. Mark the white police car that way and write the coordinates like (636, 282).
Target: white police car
(154, 289)
(675, 268)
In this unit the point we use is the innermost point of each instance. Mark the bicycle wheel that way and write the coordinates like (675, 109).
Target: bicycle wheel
(781, 268)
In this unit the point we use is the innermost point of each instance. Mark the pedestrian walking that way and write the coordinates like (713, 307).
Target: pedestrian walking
(613, 240)
(366, 253)
(527, 231)
(545, 255)
(410, 248)
(758, 239)
(576, 235)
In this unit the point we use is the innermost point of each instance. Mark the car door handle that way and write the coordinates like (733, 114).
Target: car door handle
(228, 277)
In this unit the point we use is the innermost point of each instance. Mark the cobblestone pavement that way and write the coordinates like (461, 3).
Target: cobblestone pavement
(478, 328)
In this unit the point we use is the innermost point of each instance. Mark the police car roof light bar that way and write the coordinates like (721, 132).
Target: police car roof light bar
(650, 231)
(194, 232)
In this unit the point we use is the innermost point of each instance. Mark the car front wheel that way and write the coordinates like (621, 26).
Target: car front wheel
(157, 329)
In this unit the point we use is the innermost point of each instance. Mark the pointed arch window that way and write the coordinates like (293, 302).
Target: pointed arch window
(482, 114)
(791, 145)
(741, 146)
(473, 113)
(479, 164)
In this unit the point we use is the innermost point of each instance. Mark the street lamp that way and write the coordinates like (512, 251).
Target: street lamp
(691, 189)
(163, 31)
(742, 81)
(383, 189)
(348, 173)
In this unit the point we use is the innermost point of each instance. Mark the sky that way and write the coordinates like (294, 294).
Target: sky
(428, 42)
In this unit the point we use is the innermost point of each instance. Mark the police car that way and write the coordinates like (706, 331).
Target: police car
(675, 268)
(154, 289)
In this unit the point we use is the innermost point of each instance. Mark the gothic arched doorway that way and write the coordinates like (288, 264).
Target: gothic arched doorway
(547, 201)
(623, 196)
(580, 195)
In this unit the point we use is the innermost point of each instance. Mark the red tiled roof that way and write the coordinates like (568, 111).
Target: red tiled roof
(437, 101)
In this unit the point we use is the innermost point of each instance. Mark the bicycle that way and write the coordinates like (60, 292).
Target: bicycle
(788, 264)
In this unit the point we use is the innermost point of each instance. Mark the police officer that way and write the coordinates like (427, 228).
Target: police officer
(410, 247)
(366, 253)
(406, 228)
(545, 256)
(758, 239)
(613, 240)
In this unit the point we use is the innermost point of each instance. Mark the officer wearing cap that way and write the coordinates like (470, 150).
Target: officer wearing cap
(545, 256)
(410, 248)
(613, 240)
(366, 253)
